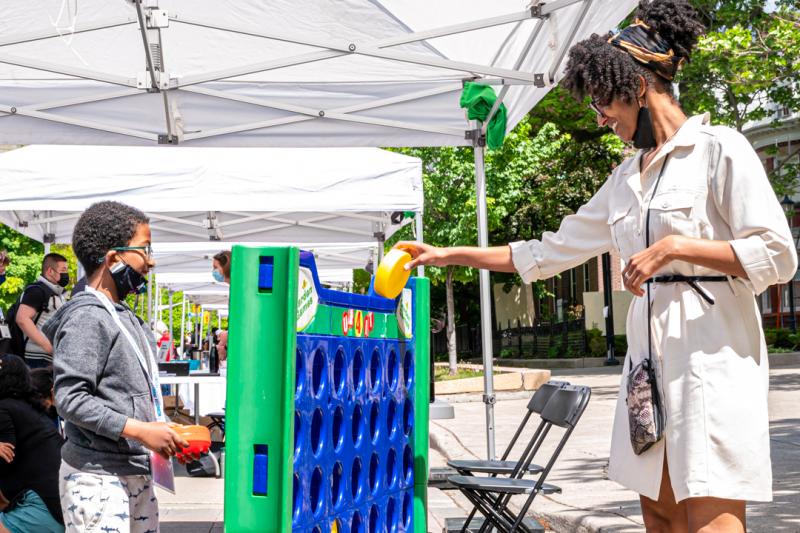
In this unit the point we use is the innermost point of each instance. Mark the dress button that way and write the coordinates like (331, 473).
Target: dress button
(665, 205)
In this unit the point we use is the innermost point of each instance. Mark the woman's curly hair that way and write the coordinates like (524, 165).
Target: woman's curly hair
(606, 73)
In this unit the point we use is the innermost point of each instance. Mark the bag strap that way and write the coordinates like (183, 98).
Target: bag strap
(647, 245)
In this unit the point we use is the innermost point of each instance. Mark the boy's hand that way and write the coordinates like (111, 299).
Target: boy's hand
(157, 436)
(6, 451)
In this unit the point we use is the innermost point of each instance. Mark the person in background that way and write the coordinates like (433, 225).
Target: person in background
(106, 380)
(221, 265)
(222, 344)
(43, 392)
(4, 262)
(30, 452)
(39, 301)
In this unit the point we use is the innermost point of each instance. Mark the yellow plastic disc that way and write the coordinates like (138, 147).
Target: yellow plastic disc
(392, 276)
(335, 526)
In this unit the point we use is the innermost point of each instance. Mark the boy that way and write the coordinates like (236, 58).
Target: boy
(106, 380)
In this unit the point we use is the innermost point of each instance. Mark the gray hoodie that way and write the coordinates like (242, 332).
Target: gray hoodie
(99, 384)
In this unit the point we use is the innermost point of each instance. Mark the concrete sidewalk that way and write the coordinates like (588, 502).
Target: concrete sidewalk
(590, 502)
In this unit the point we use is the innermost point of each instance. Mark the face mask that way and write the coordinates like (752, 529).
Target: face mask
(63, 279)
(127, 280)
(217, 275)
(643, 137)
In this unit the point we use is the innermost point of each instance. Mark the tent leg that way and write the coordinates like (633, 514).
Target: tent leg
(381, 246)
(171, 339)
(486, 302)
(183, 324)
(418, 226)
(150, 300)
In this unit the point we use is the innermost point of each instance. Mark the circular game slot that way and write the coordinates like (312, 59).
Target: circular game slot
(338, 428)
(408, 369)
(392, 370)
(408, 464)
(375, 371)
(391, 516)
(408, 417)
(318, 373)
(299, 373)
(297, 498)
(339, 372)
(316, 530)
(391, 419)
(357, 373)
(317, 432)
(374, 478)
(337, 485)
(357, 524)
(298, 432)
(356, 480)
(391, 468)
(375, 421)
(358, 425)
(316, 495)
(373, 519)
(408, 509)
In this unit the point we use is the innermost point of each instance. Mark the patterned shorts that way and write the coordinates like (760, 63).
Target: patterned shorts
(107, 504)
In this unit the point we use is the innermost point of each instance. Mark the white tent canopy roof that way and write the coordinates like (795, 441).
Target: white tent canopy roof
(278, 73)
(281, 195)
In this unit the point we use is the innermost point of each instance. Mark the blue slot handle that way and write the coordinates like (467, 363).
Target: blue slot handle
(260, 470)
(265, 269)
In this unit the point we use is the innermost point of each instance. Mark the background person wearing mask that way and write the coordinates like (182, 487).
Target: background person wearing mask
(221, 265)
(39, 301)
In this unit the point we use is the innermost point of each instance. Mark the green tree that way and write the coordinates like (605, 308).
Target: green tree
(747, 64)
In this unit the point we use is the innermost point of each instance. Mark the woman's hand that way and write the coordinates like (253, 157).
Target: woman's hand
(643, 265)
(6, 451)
(423, 254)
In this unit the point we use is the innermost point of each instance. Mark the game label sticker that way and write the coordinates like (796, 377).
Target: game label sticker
(404, 319)
(307, 299)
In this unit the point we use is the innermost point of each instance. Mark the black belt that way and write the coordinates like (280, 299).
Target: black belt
(691, 281)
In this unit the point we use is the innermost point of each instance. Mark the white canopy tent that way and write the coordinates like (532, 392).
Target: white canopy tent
(299, 195)
(285, 73)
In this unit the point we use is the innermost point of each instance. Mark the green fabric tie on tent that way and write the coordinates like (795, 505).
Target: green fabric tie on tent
(478, 100)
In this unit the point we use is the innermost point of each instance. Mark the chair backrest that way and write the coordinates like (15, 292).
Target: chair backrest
(566, 405)
(543, 394)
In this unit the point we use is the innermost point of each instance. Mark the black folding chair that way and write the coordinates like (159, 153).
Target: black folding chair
(504, 466)
(491, 495)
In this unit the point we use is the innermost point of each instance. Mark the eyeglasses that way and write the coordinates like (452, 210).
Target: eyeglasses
(597, 107)
(148, 250)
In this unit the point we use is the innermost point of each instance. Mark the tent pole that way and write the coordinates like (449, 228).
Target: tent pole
(183, 323)
(418, 226)
(171, 339)
(485, 294)
(150, 300)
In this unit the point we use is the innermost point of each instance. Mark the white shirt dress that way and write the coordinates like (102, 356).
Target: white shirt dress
(712, 364)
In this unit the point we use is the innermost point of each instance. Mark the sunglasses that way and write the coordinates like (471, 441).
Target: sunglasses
(597, 107)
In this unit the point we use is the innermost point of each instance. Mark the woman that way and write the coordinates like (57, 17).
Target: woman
(712, 214)
(30, 454)
(221, 267)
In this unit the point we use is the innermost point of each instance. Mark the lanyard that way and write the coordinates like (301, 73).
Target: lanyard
(152, 377)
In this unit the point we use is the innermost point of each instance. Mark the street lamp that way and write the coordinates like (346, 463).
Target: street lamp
(788, 208)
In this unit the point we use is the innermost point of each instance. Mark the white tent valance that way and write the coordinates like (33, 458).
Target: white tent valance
(310, 195)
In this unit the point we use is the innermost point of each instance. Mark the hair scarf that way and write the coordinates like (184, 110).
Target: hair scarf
(647, 47)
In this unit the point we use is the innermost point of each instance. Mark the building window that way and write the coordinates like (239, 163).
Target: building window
(766, 301)
(587, 286)
(573, 285)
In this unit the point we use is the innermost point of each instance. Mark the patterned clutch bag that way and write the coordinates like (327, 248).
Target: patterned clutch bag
(645, 415)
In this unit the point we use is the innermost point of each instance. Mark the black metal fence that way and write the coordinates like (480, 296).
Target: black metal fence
(544, 340)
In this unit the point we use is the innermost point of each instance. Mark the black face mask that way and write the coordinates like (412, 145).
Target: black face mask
(644, 137)
(127, 280)
(63, 279)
